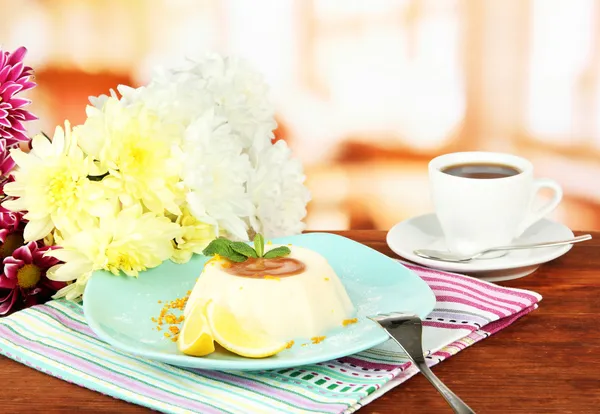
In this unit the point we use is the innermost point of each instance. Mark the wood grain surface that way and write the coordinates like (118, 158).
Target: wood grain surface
(546, 362)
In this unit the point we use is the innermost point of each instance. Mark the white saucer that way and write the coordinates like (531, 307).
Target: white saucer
(424, 232)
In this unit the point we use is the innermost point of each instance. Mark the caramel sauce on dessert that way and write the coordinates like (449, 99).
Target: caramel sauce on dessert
(260, 268)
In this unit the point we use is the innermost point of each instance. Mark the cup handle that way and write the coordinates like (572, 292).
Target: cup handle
(539, 213)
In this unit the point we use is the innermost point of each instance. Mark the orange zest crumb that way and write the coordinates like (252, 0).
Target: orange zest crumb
(175, 338)
(304, 344)
(289, 345)
(347, 322)
(226, 265)
(317, 339)
(269, 277)
(167, 317)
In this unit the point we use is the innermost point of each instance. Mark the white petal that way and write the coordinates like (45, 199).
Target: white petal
(35, 215)
(69, 271)
(58, 141)
(37, 229)
(64, 255)
(14, 189)
(101, 208)
(75, 294)
(63, 292)
(41, 146)
(22, 159)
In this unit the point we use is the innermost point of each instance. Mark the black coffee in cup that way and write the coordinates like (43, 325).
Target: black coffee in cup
(481, 170)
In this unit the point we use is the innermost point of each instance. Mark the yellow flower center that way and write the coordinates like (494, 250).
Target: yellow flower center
(136, 159)
(118, 260)
(137, 154)
(62, 190)
(13, 242)
(28, 276)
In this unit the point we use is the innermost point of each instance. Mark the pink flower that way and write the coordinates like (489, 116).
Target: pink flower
(11, 232)
(24, 282)
(14, 78)
(6, 162)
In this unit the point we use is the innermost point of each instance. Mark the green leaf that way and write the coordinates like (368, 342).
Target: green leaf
(218, 246)
(223, 247)
(277, 252)
(243, 249)
(259, 244)
(235, 257)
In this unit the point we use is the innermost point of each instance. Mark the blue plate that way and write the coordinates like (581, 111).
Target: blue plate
(119, 309)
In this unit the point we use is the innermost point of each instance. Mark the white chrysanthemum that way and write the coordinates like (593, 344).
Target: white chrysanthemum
(228, 86)
(278, 192)
(234, 175)
(52, 185)
(137, 150)
(129, 241)
(215, 170)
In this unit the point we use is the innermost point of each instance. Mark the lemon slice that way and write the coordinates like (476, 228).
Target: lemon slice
(231, 335)
(195, 338)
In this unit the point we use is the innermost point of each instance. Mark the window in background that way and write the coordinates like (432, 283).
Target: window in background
(390, 82)
(384, 67)
(562, 110)
(564, 78)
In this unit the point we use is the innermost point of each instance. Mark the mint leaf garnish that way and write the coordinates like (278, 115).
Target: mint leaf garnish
(277, 252)
(235, 257)
(240, 252)
(222, 247)
(243, 249)
(218, 246)
(259, 244)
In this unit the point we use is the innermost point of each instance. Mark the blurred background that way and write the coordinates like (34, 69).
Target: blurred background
(367, 92)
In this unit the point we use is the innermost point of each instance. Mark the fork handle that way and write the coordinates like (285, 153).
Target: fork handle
(456, 403)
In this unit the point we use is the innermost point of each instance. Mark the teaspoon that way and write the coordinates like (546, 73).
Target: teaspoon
(452, 257)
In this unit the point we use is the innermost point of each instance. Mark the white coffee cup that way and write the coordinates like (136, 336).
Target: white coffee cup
(478, 213)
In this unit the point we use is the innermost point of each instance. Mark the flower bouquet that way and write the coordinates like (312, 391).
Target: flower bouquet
(153, 174)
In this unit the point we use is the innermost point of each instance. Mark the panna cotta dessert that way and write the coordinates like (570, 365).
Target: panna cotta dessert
(284, 292)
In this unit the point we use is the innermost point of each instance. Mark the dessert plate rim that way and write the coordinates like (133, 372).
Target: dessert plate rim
(361, 336)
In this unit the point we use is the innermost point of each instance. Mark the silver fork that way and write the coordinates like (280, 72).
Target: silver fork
(406, 331)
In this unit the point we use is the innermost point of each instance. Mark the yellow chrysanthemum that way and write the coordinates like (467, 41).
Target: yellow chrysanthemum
(52, 185)
(129, 242)
(195, 236)
(139, 153)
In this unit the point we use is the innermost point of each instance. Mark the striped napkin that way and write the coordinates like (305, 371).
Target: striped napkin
(54, 338)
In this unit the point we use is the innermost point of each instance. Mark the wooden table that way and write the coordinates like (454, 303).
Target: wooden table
(546, 362)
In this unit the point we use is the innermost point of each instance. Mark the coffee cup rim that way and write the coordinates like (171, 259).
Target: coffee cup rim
(453, 158)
